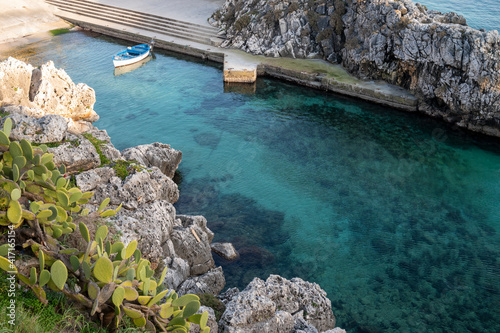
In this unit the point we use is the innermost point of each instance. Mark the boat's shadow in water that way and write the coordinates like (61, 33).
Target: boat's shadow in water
(129, 68)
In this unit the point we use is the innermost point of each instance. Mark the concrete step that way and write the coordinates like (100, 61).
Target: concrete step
(138, 20)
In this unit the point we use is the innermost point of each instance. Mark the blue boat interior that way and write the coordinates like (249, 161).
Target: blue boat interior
(133, 51)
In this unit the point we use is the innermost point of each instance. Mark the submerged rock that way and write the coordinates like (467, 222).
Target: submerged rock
(225, 250)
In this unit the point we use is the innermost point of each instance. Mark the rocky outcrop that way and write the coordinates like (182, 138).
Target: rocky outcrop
(180, 242)
(142, 186)
(278, 305)
(76, 153)
(156, 154)
(48, 128)
(453, 69)
(47, 90)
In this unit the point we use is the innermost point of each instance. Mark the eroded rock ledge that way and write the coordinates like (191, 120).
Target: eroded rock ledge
(47, 90)
(453, 69)
(140, 178)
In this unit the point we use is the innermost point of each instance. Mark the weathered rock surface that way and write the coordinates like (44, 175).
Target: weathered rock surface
(140, 187)
(76, 153)
(156, 154)
(225, 250)
(212, 282)
(276, 305)
(47, 89)
(453, 69)
(107, 148)
(49, 128)
(150, 225)
(212, 322)
(191, 239)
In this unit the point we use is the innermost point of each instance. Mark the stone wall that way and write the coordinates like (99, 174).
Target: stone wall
(453, 69)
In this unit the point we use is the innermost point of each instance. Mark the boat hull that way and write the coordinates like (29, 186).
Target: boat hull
(124, 59)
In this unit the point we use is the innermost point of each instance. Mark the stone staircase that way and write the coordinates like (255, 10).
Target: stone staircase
(69, 9)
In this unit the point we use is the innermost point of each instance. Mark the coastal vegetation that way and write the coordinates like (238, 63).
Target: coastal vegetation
(40, 212)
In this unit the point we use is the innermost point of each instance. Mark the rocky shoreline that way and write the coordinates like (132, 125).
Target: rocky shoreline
(47, 107)
(453, 70)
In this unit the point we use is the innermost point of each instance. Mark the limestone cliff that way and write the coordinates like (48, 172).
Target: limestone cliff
(453, 69)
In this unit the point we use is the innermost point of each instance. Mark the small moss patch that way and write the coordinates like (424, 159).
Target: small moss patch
(74, 143)
(97, 144)
(123, 168)
(56, 32)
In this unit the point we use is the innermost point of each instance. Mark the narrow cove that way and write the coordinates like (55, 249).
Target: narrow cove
(395, 215)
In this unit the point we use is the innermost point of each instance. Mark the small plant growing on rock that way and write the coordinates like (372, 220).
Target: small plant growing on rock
(38, 205)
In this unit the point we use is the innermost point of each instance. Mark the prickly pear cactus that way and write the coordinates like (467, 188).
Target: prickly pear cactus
(111, 280)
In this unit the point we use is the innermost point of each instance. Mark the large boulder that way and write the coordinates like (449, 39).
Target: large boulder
(53, 91)
(276, 305)
(140, 187)
(15, 82)
(191, 239)
(156, 154)
(47, 90)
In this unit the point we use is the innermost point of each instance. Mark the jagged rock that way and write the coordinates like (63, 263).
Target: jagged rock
(76, 153)
(140, 187)
(302, 326)
(156, 154)
(107, 148)
(150, 224)
(225, 250)
(46, 88)
(212, 282)
(53, 91)
(335, 330)
(212, 322)
(191, 239)
(49, 128)
(88, 181)
(228, 295)
(454, 70)
(272, 304)
(177, 272)
(15, 80)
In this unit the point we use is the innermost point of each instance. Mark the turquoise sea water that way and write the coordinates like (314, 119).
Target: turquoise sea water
(395, 215)
(479, 14)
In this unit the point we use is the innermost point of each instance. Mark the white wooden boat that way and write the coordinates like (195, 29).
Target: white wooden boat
(132, 55)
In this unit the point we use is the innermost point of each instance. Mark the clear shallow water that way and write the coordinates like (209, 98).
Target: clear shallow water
(395, 215)
(479, 14)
